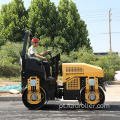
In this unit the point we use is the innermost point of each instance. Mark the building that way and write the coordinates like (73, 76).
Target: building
(105, 53)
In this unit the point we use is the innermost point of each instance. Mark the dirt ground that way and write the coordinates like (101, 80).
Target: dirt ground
(8, 83)
(7, 93)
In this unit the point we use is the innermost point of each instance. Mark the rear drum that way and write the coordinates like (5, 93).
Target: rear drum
(101, 101)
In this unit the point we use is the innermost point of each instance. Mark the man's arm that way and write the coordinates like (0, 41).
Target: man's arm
(39, 56)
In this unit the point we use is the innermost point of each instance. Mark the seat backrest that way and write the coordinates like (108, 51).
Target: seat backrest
(33, 64)
(26, 56)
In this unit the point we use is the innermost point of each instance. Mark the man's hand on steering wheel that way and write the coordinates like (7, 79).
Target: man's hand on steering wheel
(44, 58)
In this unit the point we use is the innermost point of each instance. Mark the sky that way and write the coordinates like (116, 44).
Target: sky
(95, 13)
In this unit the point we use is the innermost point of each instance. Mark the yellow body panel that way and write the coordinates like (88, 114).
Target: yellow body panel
(80, 70)
(37, 90)
(73, 84)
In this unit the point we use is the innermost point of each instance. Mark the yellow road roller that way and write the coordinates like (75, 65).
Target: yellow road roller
(82, 82)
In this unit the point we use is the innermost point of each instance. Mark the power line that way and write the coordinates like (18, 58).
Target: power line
(99, 11)
(111, 33)
(115, 9)
(90, 18)
(115, 16)
(115, 19)
(96, 21)
(102, 10)
(93, 16)
(96, 14)
(104, 33)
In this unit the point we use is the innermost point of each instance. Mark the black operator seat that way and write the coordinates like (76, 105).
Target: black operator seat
(33, 64)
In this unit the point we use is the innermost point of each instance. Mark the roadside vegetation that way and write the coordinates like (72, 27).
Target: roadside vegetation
(10, 68)
(59, 29)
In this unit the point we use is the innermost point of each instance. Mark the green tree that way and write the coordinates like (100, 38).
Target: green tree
(45, 41)
(13, 20)
(60, 43)
(43, 18)
(57, 44)
(71, 27)
(2, 41)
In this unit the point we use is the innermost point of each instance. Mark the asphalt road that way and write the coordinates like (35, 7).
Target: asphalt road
(59, 110)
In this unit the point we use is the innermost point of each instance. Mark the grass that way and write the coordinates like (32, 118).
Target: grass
(10, 79)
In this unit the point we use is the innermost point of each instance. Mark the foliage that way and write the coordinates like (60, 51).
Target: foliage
(58, 44)
(42, 18)
(2, 40)
(13, 18)
(45, 41)
(71, 27)
(9, 59)
(85, 55)
(109, 64)
(10, 79)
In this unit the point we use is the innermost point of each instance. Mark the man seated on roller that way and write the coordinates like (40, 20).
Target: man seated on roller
(34, 54)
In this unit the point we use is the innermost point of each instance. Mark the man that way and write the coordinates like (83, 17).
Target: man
(34, 54)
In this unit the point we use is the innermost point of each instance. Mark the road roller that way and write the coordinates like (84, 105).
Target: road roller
(81, 81)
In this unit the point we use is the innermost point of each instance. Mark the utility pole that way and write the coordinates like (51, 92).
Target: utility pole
(110, 31)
